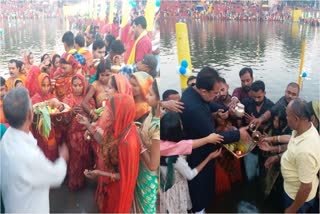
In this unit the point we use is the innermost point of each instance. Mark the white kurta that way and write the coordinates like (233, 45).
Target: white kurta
(26, 174)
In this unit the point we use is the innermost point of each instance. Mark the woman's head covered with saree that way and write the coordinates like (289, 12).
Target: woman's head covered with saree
(120, 84)
(28, 59)
(44, 83)
(144, 81)
(78, 83)
(69, 64)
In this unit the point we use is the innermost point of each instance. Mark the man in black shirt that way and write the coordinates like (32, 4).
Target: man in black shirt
(197, 123)
(256, 105)
(291, 93)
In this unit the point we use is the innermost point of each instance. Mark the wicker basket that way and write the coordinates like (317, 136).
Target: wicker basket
(55, 117)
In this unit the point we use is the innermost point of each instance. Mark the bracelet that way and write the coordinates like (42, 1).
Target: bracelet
(91, 130)
(278, 138)
(143, 150)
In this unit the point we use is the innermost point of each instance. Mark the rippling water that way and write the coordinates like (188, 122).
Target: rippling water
(273, 50)
(40, 36)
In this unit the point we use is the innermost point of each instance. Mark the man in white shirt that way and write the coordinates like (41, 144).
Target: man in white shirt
(300, 164)
(26, 174)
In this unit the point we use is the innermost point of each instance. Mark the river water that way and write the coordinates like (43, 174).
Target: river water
(40, 36)
(272, 50)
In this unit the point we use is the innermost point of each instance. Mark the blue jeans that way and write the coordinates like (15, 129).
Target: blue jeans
(251, 164)
(303, 209)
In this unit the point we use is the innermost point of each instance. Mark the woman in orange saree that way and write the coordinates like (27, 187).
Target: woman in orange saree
(79, 149)
(48, 146)
(141, 83)
(119, 151)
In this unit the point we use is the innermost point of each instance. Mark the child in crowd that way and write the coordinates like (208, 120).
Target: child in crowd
(147, 181)
(175, 171)
(98, 89)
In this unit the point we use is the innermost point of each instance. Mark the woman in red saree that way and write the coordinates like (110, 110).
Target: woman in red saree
(55, 65)
(119, 151)
(62, 78)
(79, 149)
(28, 61)
(48, 146)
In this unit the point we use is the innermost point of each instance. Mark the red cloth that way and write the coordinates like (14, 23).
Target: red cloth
(31, 81)
(125, 33)
(120, 152)
(79, 148)
(115, 30)
(228, 172)
(143, 47)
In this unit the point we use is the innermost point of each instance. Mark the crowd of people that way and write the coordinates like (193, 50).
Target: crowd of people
(103, 92)
(111, 121)
(195, 170)
(240, 11)
(13, 10)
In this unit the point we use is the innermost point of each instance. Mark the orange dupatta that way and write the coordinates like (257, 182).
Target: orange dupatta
(123, 84)
(145, 81)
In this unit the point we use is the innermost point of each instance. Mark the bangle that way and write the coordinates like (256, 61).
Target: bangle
(143, 150)
(278, 138)
(274, 139)
(113, 176)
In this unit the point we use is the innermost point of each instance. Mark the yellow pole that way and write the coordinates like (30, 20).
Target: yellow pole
(183, 50)
(301, 61)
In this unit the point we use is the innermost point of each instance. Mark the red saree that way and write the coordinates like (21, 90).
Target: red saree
(228, 169)
(48, 146)
(119, 153)
(79, 148)
(31, 85)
